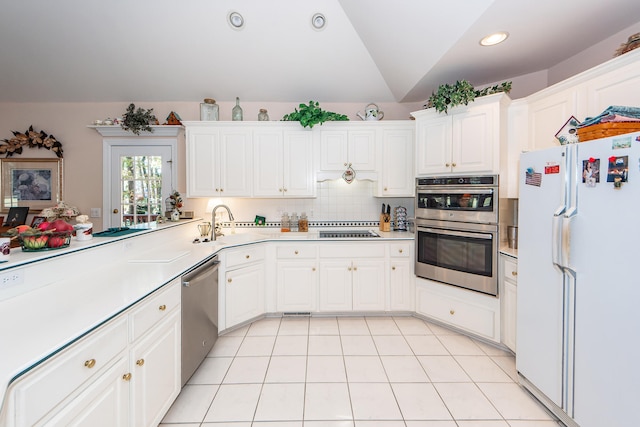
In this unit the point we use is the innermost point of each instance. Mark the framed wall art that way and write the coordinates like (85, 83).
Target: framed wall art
(32, 183)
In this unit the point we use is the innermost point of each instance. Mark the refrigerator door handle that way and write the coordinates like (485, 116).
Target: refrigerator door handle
(557, 237)
(565, 253)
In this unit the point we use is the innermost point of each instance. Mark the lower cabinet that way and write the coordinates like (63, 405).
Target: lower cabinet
(244, 284)
(470, 311)
(296, 278)
(401, 277)
(126, 372)
(348, 283)
(509, 290)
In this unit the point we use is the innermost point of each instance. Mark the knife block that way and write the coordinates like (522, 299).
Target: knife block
(385, 222)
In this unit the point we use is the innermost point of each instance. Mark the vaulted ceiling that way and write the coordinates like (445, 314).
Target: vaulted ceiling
(387, 51)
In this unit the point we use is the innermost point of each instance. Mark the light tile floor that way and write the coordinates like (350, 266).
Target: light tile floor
(354, 372)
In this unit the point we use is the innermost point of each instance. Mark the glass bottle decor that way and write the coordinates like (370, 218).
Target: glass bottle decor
(209, 110)
(236, 112)
(263, 116)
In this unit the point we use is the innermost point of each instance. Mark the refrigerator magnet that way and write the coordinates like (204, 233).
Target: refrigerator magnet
(551, 168)
(591, 171)
(532, 177)
(618, 170)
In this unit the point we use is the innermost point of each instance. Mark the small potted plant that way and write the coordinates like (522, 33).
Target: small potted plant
(461, 93)
(312, 114)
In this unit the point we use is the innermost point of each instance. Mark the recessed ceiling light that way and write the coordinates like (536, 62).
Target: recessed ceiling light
(236, 20)
(318, 21)
(495, 38)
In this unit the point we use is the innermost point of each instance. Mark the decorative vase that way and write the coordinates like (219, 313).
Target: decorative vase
(263, 116)
(209, 110)
(175, 215)
(236, 112)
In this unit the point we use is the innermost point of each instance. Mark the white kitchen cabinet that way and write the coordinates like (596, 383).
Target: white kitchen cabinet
(283, 162)
(396, 177)
(547, 115)
(244, 284)
(219, 160)
(401, 282)
(509, 282)
(469, 311)
(297, 278)
(156, 374)
(466, 140)
(96, 381)
(342, 145)
(349, 282)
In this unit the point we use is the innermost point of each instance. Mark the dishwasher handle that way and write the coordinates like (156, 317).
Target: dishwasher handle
(199, 270)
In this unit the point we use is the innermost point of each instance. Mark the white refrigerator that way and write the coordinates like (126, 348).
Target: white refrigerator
(578, 300)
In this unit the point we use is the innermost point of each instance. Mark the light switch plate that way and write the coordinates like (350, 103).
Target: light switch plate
(95, 213)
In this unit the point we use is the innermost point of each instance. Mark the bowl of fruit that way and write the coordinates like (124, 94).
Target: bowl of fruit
(46, 236)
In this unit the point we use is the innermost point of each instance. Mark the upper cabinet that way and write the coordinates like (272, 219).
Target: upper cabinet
(342, 144)
(283, 162)
(219, 160)
(396, 177)
(466, 140)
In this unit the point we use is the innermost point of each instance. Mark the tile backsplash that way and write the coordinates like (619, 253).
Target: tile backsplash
(335, 201)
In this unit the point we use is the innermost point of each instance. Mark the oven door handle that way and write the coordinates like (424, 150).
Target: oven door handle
(456, 190)
(456, 233)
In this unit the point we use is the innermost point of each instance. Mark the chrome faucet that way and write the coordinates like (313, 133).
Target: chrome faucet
(216, 229)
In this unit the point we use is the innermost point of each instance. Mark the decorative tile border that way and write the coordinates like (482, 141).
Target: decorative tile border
(311, 224)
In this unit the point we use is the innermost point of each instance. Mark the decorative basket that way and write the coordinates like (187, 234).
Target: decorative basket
(44, 241)
(603, 130)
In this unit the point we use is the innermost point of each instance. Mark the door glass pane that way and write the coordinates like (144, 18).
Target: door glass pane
(141, 188)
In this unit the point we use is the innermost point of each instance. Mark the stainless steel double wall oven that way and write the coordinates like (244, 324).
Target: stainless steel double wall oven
(457, 231)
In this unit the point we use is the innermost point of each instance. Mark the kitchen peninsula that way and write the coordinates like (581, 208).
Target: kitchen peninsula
(80, 327)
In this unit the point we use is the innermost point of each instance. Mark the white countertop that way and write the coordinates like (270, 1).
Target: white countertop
(39, 321)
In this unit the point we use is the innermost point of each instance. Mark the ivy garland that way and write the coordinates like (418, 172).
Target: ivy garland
(30, 139)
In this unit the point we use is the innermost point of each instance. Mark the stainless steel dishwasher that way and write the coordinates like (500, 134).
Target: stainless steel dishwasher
(199, 315)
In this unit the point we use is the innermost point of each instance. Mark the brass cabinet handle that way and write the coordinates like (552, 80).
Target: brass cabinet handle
(400, 250)
(295, 252)
(514, 273)
(221, 190)
(393, 268)
(355, 268)
(447, 164)
(280, 190)
(247, 256)
(452, 312)
(285, 190)
(115, 211)
(453, 164)
(127, 376)
(349, 268)
(385, 189)
(90, 363)
(217, 190)
(313, 269)
(140, 362)
(229, 280)
(162, 307)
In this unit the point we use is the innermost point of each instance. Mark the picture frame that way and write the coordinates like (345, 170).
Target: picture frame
(32, 183)
(17, 216)
(37, 220)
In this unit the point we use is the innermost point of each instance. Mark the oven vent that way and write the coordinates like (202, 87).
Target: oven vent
(296, 314)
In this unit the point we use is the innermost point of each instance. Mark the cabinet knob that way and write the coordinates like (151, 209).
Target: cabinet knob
(285, 190)
(453, 164)
(116, 211)
(313, 269)
(295, 252)
(355, 268)
(447, 164)
(217, 190)
(127, 376)
(140, 362)
(400, 250)
(162, 307)
(393, 268)
(514, 273)
(452, 312)
(90, 363)
(229, 280)
(280, 190)
(247, 256)
(349, 269)
(221, 190)
(385, 189)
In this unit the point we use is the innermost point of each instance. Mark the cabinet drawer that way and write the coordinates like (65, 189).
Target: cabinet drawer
(153, 310)
(43, 388)
(510, 270)
(296, 252)
(245, 255)
(350, 251)
(473, 318)
(400, 250)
